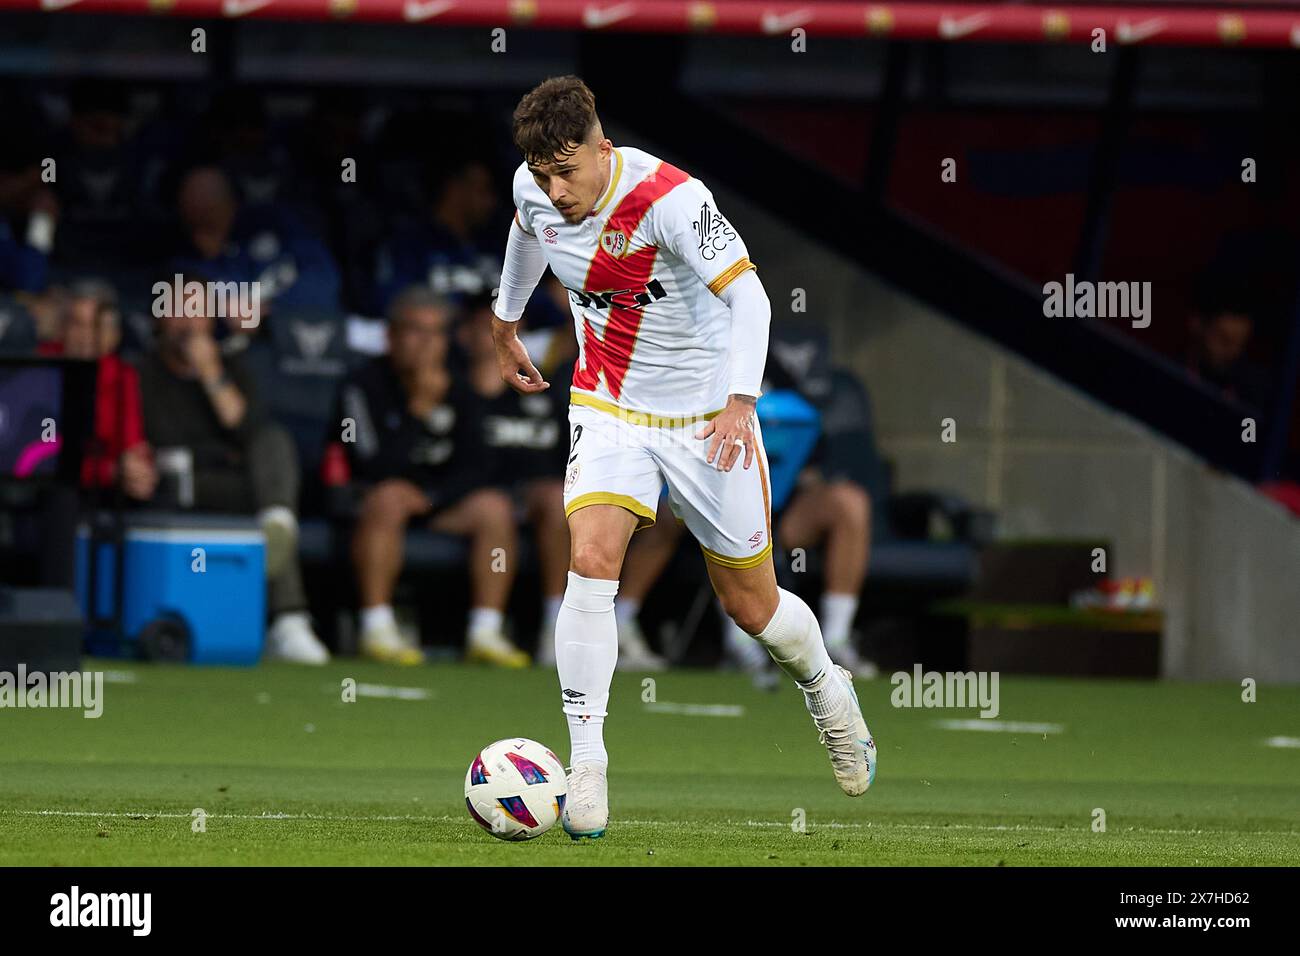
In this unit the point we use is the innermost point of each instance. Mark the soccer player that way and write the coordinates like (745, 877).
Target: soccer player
(672, 326)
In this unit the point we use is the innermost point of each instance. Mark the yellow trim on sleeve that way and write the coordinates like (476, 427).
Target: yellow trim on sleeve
(638, 418)
(730, 275)
(645, 516)
(753, 561)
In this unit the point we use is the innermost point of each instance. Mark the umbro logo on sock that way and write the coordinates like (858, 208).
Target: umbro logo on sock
(572, 694)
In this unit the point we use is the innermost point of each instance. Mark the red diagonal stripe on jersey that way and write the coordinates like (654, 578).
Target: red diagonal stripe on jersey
(629, 273)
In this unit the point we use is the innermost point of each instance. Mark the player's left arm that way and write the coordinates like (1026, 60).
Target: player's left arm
(691, 226)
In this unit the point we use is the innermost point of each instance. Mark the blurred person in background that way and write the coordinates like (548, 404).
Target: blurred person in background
(414, 438)
(229, 241)
(1220, 332)
(29, 217)
(528, 436)
(119, 456)
(194, 399)
(443, 249)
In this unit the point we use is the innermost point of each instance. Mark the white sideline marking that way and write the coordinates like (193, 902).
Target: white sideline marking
(395, 693)
(697, 710)
(699, 824)
(1282, 742)
(1005, 726)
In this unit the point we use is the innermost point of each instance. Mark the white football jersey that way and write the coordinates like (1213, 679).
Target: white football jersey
(643, 272)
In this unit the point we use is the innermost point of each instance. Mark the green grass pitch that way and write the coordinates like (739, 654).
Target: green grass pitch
(288, 773)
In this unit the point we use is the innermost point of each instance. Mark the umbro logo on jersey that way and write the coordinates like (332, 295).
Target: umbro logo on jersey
(552, 237)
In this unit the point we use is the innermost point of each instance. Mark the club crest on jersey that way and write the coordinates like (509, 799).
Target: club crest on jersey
(614, 243)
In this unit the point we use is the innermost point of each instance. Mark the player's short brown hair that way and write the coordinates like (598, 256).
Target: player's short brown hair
(554, 118)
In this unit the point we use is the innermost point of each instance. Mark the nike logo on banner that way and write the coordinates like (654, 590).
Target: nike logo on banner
(951, 28)
(784, 23)
(414, 11)
(1136, 33)
(239, 8)
(596, 17)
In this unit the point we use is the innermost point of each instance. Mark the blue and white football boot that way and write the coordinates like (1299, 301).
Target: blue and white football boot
(586, 809)
(845, 735)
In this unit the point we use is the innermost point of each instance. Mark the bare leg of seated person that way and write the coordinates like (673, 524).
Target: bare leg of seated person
(377, 553)
(836, 516)
(486, 517)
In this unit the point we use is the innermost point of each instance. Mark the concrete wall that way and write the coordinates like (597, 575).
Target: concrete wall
(1052, 462)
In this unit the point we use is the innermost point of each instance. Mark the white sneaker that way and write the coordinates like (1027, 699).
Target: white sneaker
(384, 642)
(586, 808)
(845, 735)
(280, 528)
(291, 638)
(634, 653)
(847, 656)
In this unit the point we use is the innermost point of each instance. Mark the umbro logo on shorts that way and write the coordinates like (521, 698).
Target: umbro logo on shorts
(572, 694)
(756, 539)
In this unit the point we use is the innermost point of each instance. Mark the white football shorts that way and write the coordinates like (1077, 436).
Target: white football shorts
(624, 458)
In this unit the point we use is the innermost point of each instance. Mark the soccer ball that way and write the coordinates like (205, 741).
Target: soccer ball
(515, 789)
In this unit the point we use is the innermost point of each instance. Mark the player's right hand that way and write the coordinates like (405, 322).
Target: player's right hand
(517, 368)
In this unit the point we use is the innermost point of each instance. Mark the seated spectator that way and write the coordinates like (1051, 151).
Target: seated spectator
(104, 182)
(29, 213)
(1220, 332)
(230, 242)
(529, 439)
(413, 437)
(443, 249)
(119, 456)
(830, 508)
(446, 250)
(197, 400)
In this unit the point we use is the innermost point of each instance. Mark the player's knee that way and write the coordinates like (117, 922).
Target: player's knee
(750, 612)
(594, 558)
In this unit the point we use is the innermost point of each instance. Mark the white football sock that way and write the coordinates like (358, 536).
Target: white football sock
(838, 611)
(794, 640)
(586, 650)
(626, 609)
(487, 619)
(381, 615)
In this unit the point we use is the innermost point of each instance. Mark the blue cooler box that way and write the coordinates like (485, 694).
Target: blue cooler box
(223, 607)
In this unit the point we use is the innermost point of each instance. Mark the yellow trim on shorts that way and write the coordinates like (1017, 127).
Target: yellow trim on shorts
(738, 563)
(645, 516)
(638, 418)
(731, 274)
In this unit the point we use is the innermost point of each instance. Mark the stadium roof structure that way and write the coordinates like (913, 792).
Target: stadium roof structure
(1223, 23)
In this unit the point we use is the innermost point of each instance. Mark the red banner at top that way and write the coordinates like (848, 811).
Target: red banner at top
(1228, 24)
